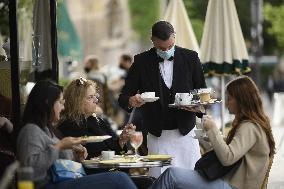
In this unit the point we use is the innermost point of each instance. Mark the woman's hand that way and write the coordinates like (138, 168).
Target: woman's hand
(208, 122)
(80, 152)
(68, 143)
(126, 133)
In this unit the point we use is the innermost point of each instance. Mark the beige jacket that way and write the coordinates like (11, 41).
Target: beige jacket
(249, 142)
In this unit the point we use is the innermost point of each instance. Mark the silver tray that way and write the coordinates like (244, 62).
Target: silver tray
(194, 104)
(127, 165)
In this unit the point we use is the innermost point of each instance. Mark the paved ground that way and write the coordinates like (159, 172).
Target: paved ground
(276, 177)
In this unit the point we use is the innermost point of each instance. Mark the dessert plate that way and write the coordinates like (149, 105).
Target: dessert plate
(157, 157)
(89, 139)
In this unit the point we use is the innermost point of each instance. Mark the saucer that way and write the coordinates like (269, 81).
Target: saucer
(150, 99)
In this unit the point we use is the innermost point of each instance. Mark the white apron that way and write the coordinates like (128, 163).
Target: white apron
(184, 149)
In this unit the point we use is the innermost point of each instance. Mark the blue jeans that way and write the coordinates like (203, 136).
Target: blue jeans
(112, 180)
(179, 178)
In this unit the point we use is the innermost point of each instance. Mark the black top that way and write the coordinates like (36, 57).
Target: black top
(92, 126)
(144, 76)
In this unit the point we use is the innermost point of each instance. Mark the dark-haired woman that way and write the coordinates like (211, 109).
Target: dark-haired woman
(250, 139)
(39, 148)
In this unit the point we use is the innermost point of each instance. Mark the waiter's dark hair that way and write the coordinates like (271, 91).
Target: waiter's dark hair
(162, 30)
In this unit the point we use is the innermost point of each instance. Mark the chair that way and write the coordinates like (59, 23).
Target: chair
(143, 182)
(265, 181)
(8, 179)
(5, 79)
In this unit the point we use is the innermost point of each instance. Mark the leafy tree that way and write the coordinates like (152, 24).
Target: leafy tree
(4, 18)
(274, 16)
(143, 14)
(196, 11)
(4, 13)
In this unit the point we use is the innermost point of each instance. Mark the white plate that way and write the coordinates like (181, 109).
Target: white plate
(151, 99)
(212, 101)
(157, 157)
(89, 139)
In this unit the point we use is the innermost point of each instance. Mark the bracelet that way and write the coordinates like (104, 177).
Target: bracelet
(129, 107)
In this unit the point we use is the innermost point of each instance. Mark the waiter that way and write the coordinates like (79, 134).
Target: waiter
(165, 69)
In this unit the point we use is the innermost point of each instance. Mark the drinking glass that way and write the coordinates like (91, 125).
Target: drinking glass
(36, 50)
(25, 176)
(136, 139)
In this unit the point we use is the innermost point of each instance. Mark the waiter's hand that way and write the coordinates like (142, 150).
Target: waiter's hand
(136, 101)
(196, 109)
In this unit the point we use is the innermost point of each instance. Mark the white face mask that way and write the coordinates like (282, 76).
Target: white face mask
(166, 54)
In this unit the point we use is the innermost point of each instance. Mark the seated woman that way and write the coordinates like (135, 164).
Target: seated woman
(38, 146)
(78, 120)
(250, 139)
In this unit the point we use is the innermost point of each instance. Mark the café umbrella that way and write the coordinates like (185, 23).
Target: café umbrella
(223, 49)
(176, 14)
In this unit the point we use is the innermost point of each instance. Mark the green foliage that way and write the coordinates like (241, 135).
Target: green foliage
(4, 18)
(196, 11)
(144, 13)
(243, 10)
(63, 82)
(28, 4)
(274, 15)
(23, 5)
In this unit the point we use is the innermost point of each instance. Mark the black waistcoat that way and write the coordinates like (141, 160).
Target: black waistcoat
(169, 121)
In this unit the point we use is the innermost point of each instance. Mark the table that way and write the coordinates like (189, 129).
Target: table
(140, 164)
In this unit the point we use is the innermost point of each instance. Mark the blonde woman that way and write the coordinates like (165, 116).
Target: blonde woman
(250, 139)
(81, 100)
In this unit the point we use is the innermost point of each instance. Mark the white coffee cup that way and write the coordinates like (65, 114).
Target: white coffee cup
(148, 95)
(106, 155)
(183, 98)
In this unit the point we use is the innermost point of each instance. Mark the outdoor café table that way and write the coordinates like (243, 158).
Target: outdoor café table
(126, 162)
(142, 181)
(125, 165)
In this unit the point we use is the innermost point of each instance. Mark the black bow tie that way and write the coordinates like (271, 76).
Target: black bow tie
(162, 60)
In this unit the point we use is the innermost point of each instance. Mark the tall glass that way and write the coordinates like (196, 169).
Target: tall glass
(136, 139)
(36, 51)
(25, 176)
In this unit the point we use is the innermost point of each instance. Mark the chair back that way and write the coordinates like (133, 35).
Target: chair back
(5, 79)
(265, 181)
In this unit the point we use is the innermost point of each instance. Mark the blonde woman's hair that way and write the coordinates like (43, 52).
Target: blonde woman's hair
(74, 95)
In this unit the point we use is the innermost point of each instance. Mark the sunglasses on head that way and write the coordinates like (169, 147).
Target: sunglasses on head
(81, 81)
